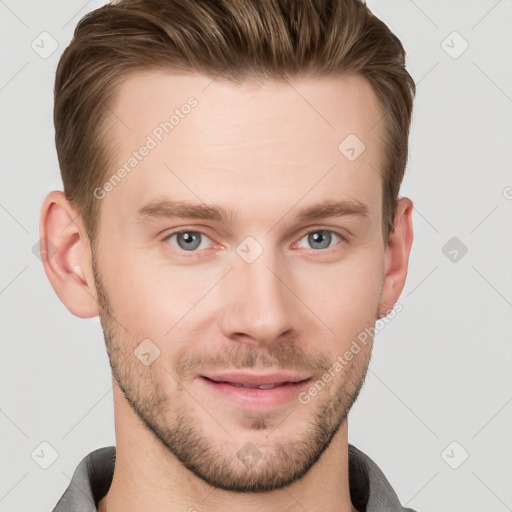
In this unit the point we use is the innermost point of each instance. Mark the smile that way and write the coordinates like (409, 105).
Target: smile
(256, 395)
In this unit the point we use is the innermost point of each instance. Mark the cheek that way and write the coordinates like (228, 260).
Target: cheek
(156, 300)
(345, 295)
(150, 297)
(133, 296)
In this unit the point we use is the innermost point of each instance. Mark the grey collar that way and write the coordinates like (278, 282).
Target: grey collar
(370, 490)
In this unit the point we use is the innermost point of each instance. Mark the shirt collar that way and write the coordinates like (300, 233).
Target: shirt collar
(370, 491)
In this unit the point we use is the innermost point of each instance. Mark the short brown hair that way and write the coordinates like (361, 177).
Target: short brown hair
(238, 40)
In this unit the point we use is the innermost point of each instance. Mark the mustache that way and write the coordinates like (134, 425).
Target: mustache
(285, 356)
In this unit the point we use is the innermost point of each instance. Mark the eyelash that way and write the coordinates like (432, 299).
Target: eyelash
(168, 236)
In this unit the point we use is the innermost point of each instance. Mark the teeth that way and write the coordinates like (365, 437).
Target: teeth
(263, 386)
(268, 386)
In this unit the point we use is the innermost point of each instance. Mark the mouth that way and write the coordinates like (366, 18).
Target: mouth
(256, 392)
(246, 386)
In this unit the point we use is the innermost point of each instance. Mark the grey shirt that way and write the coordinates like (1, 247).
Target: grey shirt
(370, 490)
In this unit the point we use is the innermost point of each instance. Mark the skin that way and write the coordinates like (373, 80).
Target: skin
(265, 150)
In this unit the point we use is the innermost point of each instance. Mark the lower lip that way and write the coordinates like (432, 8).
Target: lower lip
(257, 398)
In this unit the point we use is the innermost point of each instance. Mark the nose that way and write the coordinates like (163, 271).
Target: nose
(258, 300)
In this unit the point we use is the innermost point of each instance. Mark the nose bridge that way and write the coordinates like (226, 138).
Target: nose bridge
(258, 302)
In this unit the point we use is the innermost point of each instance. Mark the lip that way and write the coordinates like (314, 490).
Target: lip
(253, 379)
(256, 399)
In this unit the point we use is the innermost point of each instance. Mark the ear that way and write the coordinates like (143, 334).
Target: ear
(397, 256)
(66, 255)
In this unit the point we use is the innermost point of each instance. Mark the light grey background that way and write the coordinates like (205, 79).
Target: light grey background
(441, 370)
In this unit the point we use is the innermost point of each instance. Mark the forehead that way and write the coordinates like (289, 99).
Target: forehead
(208, 137)
(334, 105)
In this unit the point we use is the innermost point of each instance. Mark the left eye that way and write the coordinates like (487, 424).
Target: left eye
(321, 238)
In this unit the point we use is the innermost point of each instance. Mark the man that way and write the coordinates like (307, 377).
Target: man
(231, 173)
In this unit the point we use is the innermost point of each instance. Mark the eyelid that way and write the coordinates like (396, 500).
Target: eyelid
(315, 229)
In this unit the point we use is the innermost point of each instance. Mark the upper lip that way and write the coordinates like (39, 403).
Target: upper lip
(252, 379)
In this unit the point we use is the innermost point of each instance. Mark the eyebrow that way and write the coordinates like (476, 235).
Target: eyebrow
(184, 209)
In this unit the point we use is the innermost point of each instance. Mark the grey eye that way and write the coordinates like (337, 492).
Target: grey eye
(320, 239)
(189, 240)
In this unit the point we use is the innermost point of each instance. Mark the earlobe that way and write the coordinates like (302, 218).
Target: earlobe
(397, 257)
(65, 252)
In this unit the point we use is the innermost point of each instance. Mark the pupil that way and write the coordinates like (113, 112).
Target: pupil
(321, 237)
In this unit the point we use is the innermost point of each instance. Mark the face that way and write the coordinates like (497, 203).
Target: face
(260, 283)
